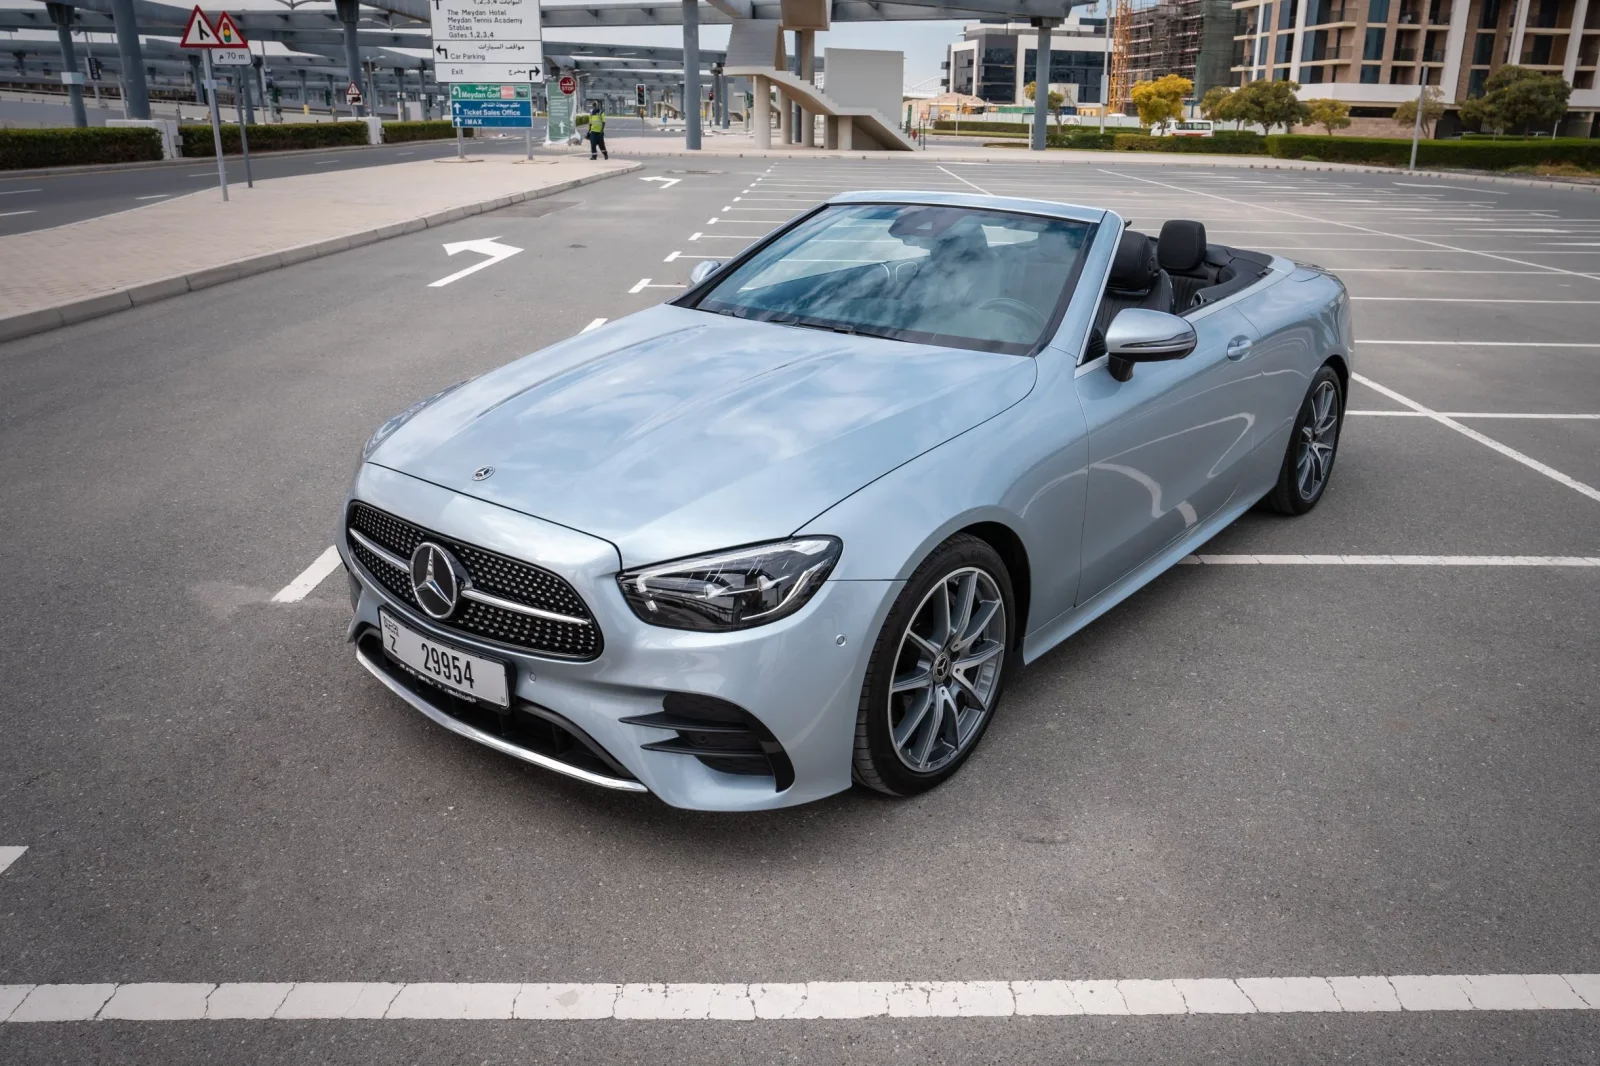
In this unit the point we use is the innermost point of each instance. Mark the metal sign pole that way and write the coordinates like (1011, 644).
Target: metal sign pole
(528, 137)
(461, 142)
(1416, 127)
(216, 125)
(240, 86)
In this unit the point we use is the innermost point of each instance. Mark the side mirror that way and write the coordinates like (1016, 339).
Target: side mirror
(1139, 335)
(703, 270)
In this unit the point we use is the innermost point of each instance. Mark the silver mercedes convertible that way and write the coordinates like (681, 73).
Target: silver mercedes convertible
(798, 527)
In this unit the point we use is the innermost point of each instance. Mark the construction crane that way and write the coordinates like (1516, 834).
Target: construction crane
(1121, 24)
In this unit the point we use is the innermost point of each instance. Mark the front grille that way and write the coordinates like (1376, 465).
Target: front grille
(508, 579)
(722, 735)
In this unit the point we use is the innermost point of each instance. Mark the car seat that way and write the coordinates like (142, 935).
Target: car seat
(1136, 280)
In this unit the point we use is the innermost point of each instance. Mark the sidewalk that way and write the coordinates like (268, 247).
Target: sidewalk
(53, 277)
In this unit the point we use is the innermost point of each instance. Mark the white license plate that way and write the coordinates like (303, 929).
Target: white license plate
(451, 668)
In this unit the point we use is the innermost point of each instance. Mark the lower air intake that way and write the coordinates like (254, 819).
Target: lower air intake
(722, 735)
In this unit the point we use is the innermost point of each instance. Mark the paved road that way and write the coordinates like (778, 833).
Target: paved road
(1244, 771)
(40, 202)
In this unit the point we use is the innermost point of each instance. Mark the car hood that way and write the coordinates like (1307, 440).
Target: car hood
(674, 431)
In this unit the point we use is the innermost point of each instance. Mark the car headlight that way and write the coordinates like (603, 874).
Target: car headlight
(387, 430)
(735, 589)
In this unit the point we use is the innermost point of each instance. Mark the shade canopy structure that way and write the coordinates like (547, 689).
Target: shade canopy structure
(392, 33)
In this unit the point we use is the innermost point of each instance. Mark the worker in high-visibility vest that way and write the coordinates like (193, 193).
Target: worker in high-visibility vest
(597, 132)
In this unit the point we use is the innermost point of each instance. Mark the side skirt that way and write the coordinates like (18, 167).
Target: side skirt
(1064, 625)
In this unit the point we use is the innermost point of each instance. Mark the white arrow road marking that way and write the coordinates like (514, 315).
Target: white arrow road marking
(309, 578)
(666, 183)
(489, 246)
(10, 854)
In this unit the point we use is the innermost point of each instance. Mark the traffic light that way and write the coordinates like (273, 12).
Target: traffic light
(638, 92)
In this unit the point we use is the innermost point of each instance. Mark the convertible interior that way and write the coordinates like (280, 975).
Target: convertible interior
(1179, 272)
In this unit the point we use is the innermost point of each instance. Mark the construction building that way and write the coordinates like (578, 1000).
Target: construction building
(1193, 39)
(1372, 54)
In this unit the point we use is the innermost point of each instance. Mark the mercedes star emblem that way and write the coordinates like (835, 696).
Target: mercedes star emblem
(436, 580)
(483, 473)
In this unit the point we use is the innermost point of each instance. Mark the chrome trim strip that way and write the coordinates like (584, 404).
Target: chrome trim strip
(380, 551)
(471, 593)
(490, 741)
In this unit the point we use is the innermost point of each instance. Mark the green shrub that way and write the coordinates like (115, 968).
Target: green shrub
(197, 138)
(1466, 155)
(1190, 145)
(20, 149)
(1081, 139)
(398, 132)
(950, 124)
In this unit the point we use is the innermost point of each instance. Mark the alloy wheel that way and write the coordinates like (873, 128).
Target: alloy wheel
(947, 670)
(1319, 436)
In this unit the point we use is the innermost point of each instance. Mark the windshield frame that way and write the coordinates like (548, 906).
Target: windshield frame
(692, 298)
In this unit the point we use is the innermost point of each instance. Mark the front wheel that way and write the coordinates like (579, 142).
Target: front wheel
(1308, 463)
(936, 670)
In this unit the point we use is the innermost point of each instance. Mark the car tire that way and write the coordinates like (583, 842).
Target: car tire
(911, 737)
(1313, 447)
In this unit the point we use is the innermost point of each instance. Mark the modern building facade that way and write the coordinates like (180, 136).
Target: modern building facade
(1372, 53)
(994, 60)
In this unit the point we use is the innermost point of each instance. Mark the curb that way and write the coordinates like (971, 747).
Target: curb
(203, 160)
(13, 327)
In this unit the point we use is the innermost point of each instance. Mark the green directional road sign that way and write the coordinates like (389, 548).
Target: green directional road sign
(495, 91)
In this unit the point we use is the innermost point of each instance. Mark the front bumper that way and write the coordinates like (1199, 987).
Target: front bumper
(799, 677)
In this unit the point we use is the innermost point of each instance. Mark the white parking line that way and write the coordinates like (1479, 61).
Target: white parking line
(156, 1002)
(1392, 560)
(154, 196)
(8, 214)
(309, 578)
(1486, 344)
(1489, 442)
(596, 324)
(10, 854)
(1467, 300)
(17, 192)
(1352, 225)
(1472, 414)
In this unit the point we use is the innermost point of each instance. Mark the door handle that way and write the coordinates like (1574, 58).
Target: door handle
(1239, 347)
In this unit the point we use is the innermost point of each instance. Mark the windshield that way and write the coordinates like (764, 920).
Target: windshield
(956, 276)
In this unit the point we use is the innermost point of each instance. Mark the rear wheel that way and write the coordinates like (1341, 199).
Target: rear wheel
(936, 670)
(1308, 463)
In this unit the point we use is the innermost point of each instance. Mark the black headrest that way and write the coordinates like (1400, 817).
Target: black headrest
(1182, 246)
(1134, 269)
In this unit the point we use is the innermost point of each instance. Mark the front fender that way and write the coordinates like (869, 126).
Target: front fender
(1023, 469)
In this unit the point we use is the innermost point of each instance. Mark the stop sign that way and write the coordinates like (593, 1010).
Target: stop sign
(569, 84)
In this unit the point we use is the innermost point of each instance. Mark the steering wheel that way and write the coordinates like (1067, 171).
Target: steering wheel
(1028, 315)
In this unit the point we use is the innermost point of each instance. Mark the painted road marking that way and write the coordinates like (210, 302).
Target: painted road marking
(1468, 414)
(17, 192)
(596, 324)
(1392, 560)
(645, 283)
(1490, 344)
(1353, 226)
(10, 854)
(1462, 188)
(489, 246)
(1465, 300)
(8, 214)
(1488, 442)
(813, 1000)
(154, 196)
(309, 578)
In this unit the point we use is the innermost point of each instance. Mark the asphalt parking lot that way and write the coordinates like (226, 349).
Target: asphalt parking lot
(1362, 742)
